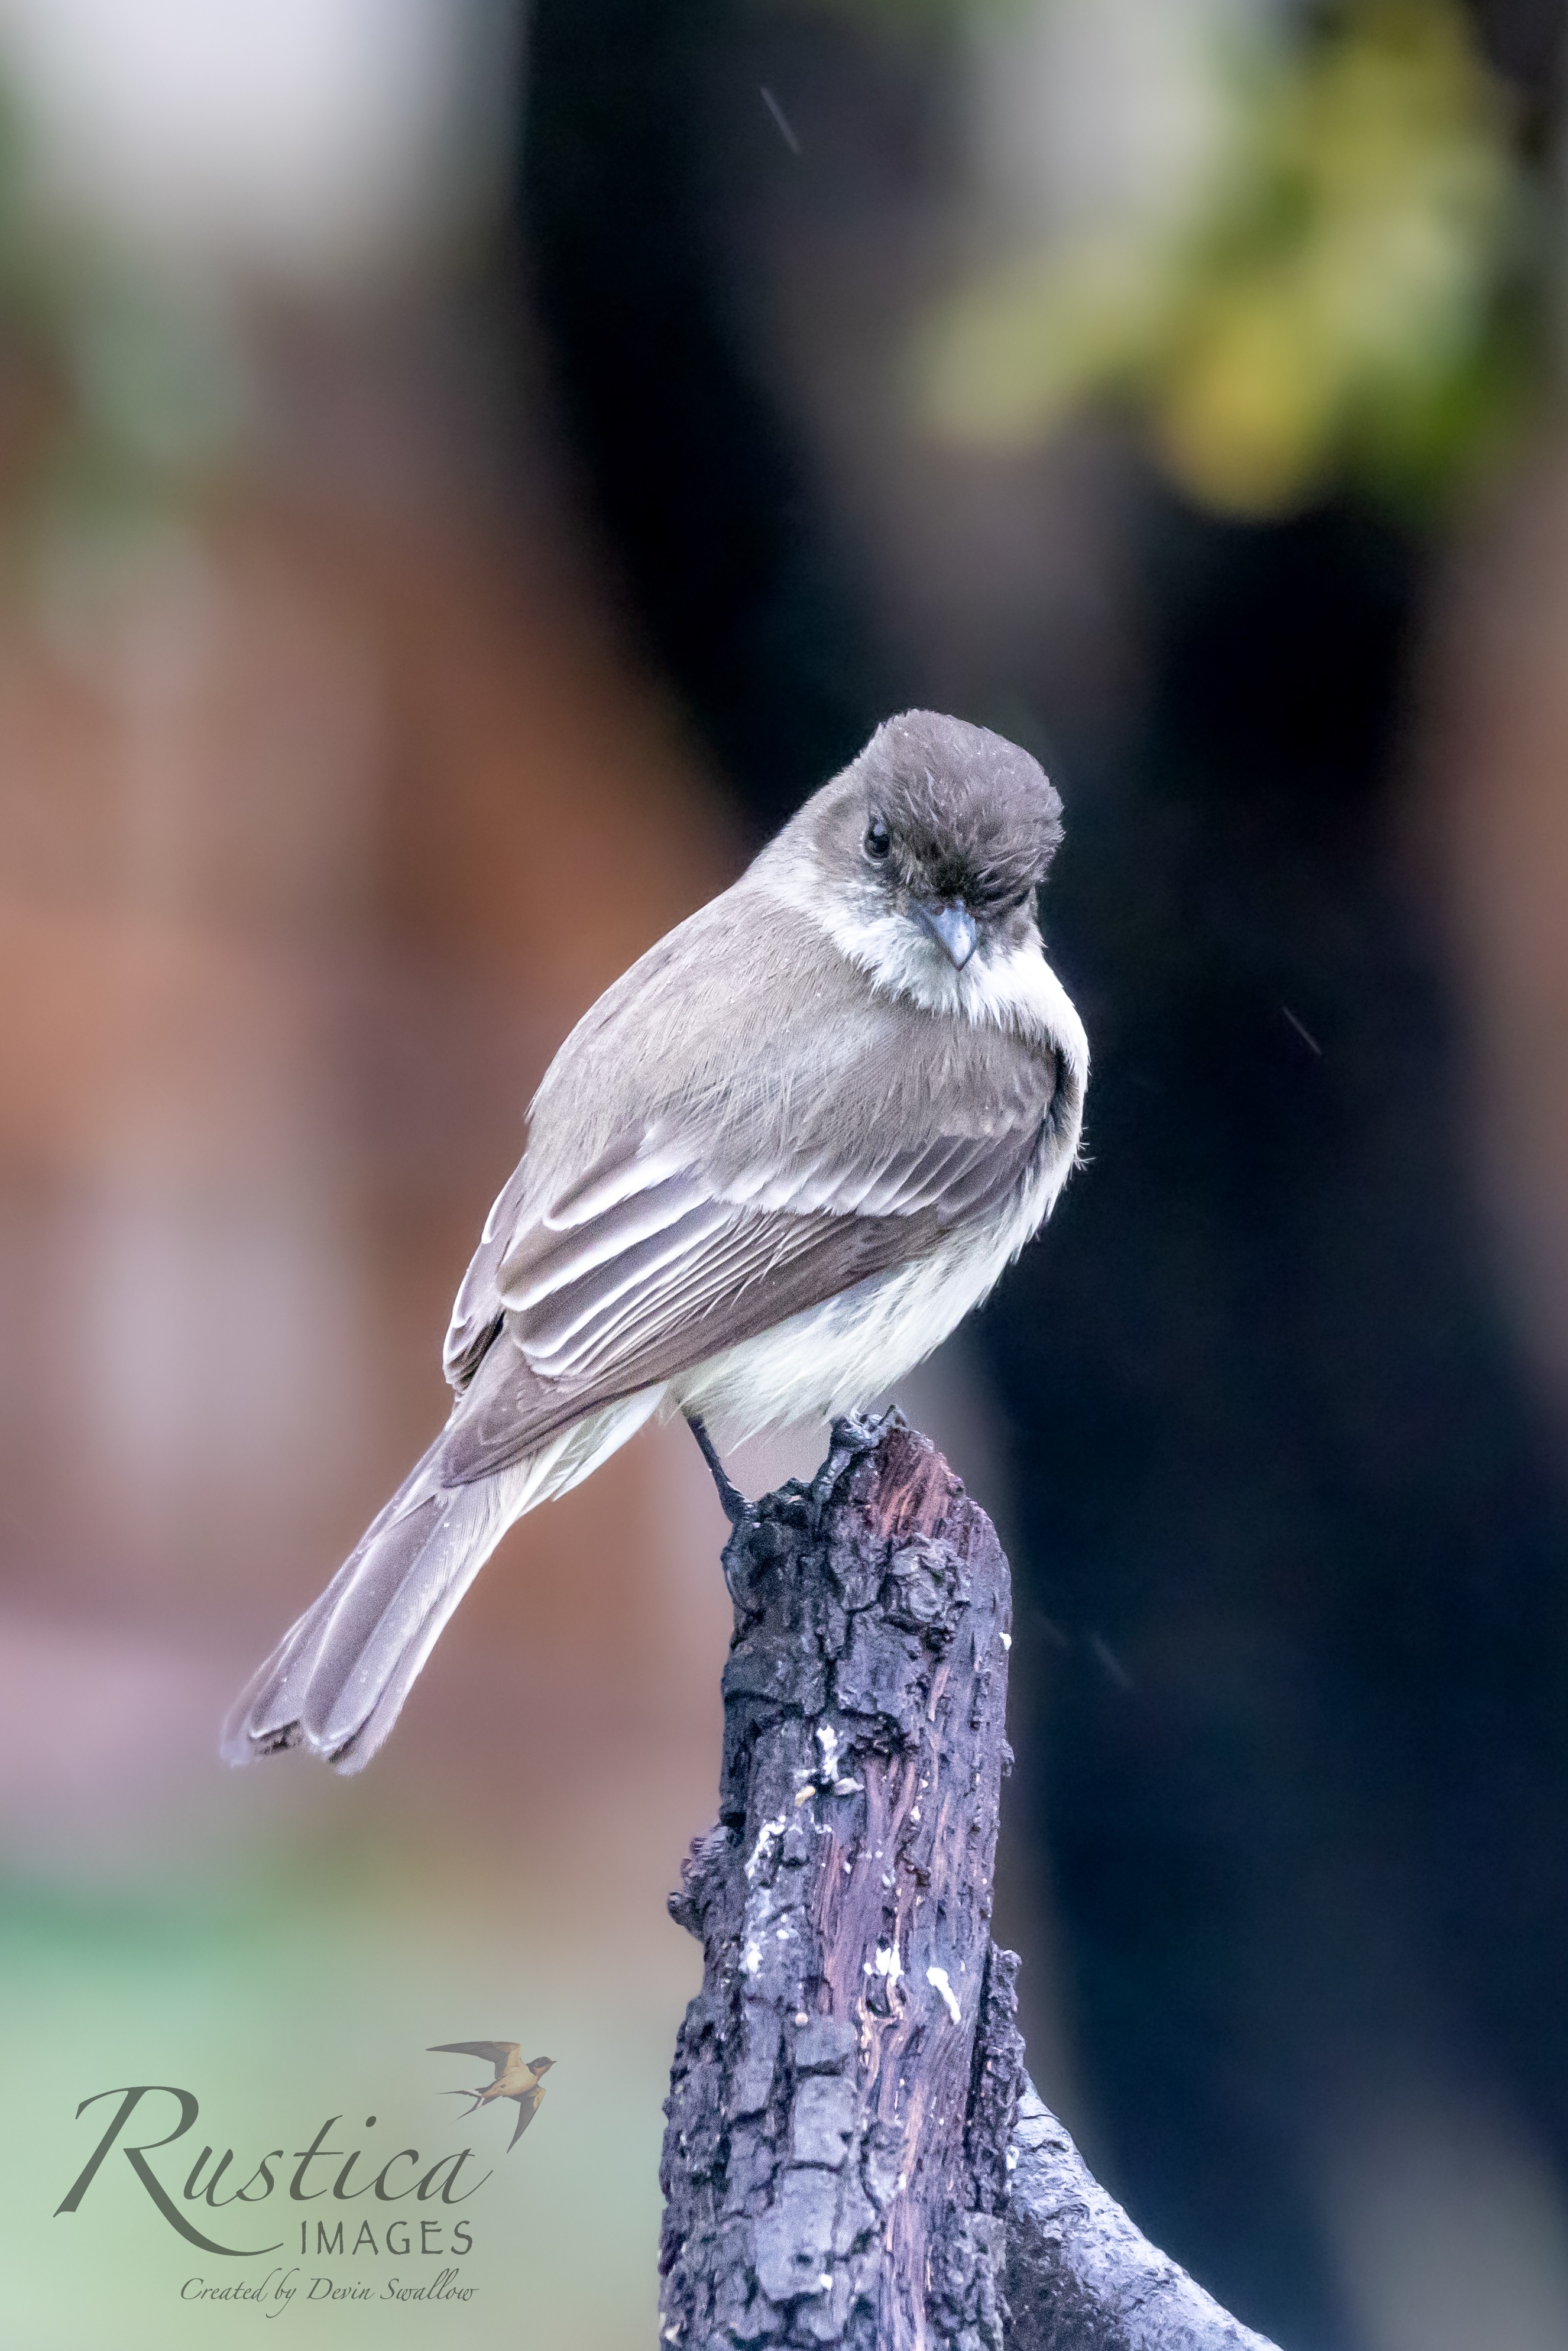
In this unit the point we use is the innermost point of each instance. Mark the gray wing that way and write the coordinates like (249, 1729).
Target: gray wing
(498, 2053)
(528, 2104)
(477, 1309)
(651, 1262)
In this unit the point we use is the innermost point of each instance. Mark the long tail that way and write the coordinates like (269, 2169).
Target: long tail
(337, 1682)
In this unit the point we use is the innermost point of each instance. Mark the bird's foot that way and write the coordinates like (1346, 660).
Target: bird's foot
(732, 1501)
(851, 1437)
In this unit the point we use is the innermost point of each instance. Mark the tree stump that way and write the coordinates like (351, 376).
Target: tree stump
(843, 2118)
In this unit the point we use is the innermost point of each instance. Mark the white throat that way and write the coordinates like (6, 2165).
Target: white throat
(1013, 989)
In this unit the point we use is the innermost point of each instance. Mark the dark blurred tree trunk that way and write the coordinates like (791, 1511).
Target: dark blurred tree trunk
(645, 134)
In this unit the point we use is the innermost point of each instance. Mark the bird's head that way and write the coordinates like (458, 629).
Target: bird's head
(925, 854)
(538, 2065)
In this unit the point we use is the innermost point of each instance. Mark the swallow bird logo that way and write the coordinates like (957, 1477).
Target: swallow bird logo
(515, 2078)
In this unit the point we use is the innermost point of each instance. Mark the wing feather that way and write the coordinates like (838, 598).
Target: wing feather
(593, 1312)
(587, 1286)
(528, 2104)
(498, 2053)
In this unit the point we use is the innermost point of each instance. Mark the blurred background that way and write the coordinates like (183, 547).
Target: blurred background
(466, 474)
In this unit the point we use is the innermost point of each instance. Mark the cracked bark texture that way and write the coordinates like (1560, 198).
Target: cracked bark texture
(849, 2118)
(1080, 2275)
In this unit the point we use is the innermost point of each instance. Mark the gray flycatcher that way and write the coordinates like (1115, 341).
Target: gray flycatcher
(768, 1173)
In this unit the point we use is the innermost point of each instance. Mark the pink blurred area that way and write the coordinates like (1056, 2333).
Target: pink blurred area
(317, 831)
(1494, 827)
(330, 796)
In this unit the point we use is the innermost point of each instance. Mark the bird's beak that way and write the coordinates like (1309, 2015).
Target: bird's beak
(952, 926)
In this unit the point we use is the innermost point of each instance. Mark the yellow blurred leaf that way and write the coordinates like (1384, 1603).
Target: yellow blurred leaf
(1335, 286)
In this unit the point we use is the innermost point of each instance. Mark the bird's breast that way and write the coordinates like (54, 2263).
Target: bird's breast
(841, 1355)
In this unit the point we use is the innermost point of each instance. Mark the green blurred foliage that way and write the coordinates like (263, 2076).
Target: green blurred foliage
(1346, 300)
(121, 387)
(280, 1996)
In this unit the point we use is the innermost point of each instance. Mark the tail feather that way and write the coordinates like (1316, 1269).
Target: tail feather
(337, 1682)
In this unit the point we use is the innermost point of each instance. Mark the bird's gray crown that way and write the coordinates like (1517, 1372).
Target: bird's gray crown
(970, 814)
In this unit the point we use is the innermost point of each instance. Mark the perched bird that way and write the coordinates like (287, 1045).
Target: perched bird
(768, 1173)
(513, 2079)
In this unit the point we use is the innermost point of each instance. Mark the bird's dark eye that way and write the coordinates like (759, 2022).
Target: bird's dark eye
(878, 840)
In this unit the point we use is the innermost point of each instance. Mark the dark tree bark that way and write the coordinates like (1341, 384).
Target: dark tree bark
(854, 2155)
(1079, 2276)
